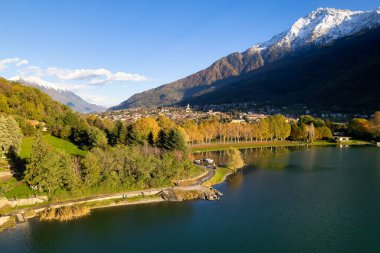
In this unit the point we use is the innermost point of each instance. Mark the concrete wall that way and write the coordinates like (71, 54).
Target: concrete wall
(22, 202)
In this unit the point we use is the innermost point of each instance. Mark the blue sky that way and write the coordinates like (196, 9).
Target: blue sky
(108, 50)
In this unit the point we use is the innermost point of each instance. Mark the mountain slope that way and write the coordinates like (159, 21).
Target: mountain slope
(320, 27)
(66, 97)
(343, 76)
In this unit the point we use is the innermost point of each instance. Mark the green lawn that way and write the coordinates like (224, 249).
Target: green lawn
(68, 147)
(13, 188)
(219, 176)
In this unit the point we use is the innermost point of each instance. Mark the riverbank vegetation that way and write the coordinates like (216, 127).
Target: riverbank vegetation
(219, 176)
(65, 213)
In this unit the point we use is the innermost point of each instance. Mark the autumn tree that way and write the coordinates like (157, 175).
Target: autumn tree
(234, 159)
(145, 126)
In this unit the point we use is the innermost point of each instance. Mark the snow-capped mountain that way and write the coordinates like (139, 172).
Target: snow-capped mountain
(321, 27)
(63, 96)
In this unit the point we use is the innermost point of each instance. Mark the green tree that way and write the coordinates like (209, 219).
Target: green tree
(151, 139)
(48, 169)
(97, 137)
(162, 139)
(279, 127)
(10, 135)
(176, 140)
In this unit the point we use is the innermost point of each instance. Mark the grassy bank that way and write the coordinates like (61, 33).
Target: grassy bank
(68, 147)
(219, 176)
(65, 213)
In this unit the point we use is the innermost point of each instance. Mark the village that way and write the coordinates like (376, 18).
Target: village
(234, 112)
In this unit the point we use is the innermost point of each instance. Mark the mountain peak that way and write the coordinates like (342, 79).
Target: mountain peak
(61, 95)
(322, 26)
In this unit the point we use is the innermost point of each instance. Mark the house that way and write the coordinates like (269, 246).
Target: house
(238, 121)
(342, 138)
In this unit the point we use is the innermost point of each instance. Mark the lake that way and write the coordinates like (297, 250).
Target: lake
(318, 199)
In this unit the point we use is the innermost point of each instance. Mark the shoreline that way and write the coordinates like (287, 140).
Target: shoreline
(153, 195)
(147, 196)
(209, 147)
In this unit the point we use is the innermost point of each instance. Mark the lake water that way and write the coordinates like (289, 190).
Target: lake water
(319, 199)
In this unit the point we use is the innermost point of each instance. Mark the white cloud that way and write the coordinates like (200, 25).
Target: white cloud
(80, 80)
(94, 76)
(31, 71)
(4, 63)
(22, 62)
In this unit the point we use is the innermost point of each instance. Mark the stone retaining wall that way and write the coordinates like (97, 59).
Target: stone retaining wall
(22, 202)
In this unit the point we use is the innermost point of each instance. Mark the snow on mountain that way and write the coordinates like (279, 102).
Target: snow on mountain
(322, 26)
(61, 95)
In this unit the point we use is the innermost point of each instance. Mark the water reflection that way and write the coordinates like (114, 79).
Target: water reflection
(279, 158)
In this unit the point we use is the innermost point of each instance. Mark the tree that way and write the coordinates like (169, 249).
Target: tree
(359, 128)
(118, 134)
(162, 139)
(234, 159)
(10, 135)
(151, 139)
(49, 169)
(310, 132)
(145, 126)
(175, 140)
(279, 127)
(96, 137)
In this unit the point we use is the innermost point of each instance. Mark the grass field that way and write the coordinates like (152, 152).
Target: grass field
(68, 147)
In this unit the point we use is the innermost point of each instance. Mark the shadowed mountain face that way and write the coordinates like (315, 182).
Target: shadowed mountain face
(343, 76)
(66, 97)
(318, 30)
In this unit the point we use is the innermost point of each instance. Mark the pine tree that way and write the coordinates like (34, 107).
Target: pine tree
(151, 138)
(162, 139)
(176, 140)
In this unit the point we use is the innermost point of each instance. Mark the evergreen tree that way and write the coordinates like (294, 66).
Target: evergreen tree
(151, 139)
(176, 140)
(162, 139)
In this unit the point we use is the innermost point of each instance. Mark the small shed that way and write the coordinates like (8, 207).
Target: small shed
(342, 138)
(209, 161)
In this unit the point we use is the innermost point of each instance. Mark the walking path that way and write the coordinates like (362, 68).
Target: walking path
(148, 192)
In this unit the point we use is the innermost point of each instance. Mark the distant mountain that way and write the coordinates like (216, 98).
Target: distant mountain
(320, 29)
(66, 97)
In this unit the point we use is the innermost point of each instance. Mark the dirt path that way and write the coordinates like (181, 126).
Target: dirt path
(121, 195)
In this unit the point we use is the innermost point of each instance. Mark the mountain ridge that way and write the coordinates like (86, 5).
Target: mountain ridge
(65, 97)
(320, 27)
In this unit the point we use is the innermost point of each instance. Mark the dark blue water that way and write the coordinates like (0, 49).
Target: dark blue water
(322, 199)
